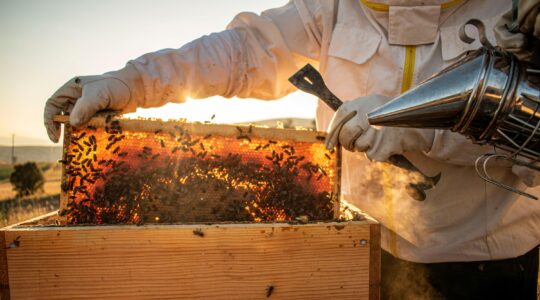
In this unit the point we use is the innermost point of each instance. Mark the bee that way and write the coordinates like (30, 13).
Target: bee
(243, 137)
(269, 291)
(198, 232)
(303, 219)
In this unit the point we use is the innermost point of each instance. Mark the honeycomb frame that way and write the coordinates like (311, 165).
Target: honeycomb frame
(264, 141)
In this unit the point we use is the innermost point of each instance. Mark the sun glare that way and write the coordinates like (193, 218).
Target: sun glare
(222, 110)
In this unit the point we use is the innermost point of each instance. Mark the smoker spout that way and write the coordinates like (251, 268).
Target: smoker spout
(438, 102)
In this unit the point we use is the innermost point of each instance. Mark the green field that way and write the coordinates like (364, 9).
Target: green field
(6, 169)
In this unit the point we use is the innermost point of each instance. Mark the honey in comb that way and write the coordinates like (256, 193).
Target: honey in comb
(119, 176)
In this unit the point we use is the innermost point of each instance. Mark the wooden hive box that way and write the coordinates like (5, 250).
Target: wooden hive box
(157, 249)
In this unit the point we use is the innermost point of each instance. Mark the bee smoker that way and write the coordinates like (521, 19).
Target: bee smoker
(488, 95)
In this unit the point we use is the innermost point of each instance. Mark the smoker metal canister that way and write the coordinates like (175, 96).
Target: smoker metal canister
(503, 108)
(488, 95)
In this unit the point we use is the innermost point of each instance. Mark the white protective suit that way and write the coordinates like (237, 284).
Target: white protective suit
(362, 53)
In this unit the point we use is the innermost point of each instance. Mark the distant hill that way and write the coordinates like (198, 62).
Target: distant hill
(31, 153)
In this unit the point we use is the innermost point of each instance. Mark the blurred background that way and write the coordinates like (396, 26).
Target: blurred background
(45, 43)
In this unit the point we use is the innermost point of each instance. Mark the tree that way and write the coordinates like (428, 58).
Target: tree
(27, 179)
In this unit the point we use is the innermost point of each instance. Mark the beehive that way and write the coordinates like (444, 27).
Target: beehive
(157, 210)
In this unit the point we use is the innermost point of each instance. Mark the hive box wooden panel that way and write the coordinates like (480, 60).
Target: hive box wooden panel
(220, 261)
(186, 245)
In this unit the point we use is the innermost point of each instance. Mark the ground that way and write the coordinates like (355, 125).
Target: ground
(14, 210)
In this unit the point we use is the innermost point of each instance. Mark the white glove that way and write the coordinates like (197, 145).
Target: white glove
(528, 22)
(350, 128)
(84, 96)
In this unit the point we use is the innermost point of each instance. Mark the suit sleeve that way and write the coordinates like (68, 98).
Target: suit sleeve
(252, 58)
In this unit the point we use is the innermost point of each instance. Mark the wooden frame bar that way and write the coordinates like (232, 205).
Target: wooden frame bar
(151, 125)
(219, 261)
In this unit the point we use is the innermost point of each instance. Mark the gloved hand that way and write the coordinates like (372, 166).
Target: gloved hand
(528, 22)
(350, 127)
(84, 96)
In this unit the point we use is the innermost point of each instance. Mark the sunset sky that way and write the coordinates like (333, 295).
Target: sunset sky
(45, 43)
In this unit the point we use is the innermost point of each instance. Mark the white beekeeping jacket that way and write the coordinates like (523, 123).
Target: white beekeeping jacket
(363, 48)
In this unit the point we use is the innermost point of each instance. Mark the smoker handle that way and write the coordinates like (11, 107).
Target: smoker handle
(309, 80)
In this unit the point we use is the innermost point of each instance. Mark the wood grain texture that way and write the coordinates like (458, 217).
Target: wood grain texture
(375, 262)
(65, 178)
(4, 274)
(231, 261)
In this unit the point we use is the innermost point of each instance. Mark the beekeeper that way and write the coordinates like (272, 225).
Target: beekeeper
(469, 238)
